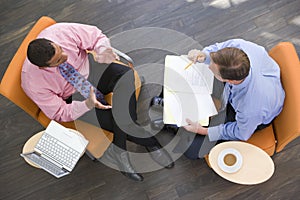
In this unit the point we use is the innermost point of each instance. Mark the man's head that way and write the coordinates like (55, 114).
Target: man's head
(230, 64)
(45, 53)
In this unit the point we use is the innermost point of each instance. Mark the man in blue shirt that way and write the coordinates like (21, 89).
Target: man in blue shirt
(252, 91)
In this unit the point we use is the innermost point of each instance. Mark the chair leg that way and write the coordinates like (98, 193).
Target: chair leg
(207, 160)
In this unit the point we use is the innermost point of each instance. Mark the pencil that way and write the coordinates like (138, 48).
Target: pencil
(188, 65)
(191, 63)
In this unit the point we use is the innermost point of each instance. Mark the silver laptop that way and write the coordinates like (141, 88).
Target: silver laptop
(58, 150)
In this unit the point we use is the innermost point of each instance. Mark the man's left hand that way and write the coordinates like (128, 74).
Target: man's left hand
(92, 102)
(195, 127)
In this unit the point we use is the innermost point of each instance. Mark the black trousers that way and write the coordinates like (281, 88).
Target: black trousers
(193, 150)
(121, 119)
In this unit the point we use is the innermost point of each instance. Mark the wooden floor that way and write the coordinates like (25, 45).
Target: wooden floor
(204, 22)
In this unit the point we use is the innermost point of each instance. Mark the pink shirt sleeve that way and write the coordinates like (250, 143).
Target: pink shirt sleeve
(56, 108)
(91, 38)
(88, 37)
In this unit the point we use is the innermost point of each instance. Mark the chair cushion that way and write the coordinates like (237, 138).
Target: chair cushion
(99, 138)
(264, 139)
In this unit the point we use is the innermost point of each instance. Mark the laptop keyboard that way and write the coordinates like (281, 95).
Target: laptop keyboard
(58, 151)
(47, 165)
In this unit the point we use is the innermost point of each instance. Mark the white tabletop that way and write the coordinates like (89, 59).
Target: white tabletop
(257, 165)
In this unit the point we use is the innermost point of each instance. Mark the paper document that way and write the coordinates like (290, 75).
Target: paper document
(187, 92)
(195, 79)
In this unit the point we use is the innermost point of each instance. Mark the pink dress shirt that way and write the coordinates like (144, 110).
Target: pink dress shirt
(46, 86)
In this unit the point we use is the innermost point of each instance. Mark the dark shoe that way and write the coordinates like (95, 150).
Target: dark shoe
(121, 159)
(158, 124)
(171, 128)
(161, 156)
(127, 169)
(157, 101)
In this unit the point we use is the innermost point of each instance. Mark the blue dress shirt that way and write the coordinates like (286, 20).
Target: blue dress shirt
(257, 100)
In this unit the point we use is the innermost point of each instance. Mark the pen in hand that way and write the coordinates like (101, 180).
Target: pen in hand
(190, 64)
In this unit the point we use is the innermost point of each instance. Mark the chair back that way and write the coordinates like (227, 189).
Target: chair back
(10, 86)
(287, 124)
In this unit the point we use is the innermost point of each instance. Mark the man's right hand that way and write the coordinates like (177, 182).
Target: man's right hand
(92, 102)
(196, 55)
(106, 56)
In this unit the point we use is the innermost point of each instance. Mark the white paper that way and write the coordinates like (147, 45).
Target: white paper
(181, 106)
(187, 92)
(195, 79)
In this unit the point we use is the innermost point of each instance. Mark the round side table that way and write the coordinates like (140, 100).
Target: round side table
(257, 165)
(31, 142)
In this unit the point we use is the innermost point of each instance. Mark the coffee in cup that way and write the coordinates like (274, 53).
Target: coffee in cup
(230, 159)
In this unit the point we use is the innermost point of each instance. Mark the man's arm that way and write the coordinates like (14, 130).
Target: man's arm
(242, 129)
(90, 38)
(56, 108)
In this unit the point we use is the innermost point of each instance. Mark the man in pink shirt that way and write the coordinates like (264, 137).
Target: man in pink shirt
(42, 80)
(46, 86)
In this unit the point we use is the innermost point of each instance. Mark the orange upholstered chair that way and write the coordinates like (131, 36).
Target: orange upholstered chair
(10, 87)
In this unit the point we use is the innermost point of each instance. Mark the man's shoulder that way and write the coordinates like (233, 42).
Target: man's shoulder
(57, 28)
(32, 71)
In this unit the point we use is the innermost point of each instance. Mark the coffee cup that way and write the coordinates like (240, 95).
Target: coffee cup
(230, 160)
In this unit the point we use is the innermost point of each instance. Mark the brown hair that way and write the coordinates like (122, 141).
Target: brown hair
(233, 63)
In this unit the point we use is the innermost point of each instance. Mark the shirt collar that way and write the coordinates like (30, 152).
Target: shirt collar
(243, 84)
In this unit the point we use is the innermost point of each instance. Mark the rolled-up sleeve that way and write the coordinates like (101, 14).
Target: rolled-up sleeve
(53, 106)
(90, 38)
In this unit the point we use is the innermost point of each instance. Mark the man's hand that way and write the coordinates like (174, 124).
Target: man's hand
(196, 56)
(106, 56)
(92, 102)
(195, 127)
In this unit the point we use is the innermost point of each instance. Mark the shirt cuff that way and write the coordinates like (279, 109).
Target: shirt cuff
(207, 57)
(214, 133)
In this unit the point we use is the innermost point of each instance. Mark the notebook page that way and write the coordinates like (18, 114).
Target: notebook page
(195, 79)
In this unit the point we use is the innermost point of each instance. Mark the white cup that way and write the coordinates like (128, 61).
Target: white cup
(230, 160)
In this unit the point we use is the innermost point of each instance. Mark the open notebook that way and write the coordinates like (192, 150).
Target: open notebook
(187, 92)
(58, 150)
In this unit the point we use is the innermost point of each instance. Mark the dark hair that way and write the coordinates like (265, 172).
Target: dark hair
(233, 63)
(40, 51)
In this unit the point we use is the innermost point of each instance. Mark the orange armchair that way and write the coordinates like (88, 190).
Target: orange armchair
(10, 87)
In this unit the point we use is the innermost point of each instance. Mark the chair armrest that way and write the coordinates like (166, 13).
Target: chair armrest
(123, 55)
(286, 124)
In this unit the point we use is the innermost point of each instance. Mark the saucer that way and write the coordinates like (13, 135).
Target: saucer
(235, 166)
